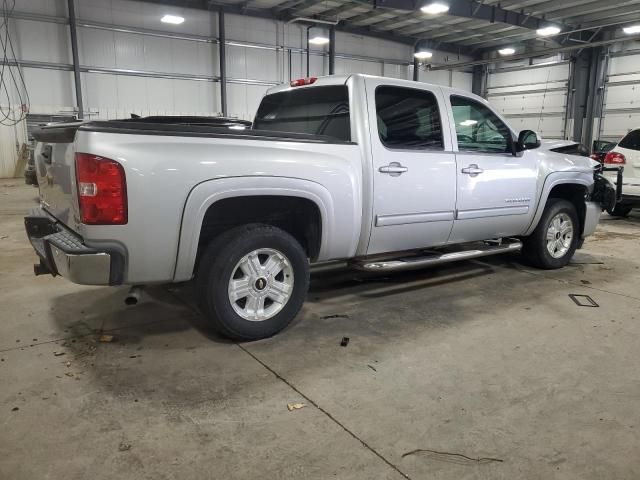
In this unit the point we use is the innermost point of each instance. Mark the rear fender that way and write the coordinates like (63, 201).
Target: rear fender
(205, 194)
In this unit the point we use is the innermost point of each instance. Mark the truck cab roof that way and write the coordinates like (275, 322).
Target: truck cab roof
(328, 80)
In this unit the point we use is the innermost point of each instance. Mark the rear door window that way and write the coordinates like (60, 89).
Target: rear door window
(631, 141)
(408, 118)
(312, 110)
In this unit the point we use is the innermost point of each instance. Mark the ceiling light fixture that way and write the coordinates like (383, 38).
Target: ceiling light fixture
(631, 29)
(174, 19)
(423, 55)
(435, 8)
(319, 40)
(507, 51)
(548, 31)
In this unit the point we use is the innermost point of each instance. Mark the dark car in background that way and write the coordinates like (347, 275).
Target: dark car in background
(600, 149)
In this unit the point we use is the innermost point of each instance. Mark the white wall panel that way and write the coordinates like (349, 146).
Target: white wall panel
(622, 98)
(50, 91)
(41, 42)
(97, 48)
(56, 8)
(532, 98)
(146, 15)
(11, 138)
(244, 99)
(110, 95)
(346, 66)
(397, 71)
(438, 77)
(462, 80)
(250, 29)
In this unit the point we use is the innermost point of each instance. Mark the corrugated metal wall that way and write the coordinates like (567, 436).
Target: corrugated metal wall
(622, 94)
(133, 63)
(532, 96)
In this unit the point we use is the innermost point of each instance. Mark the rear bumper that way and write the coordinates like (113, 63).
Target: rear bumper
(63, 252)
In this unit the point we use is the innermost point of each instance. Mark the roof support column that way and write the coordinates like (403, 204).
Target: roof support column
(222, 47)
(74, 53)
(332, 50)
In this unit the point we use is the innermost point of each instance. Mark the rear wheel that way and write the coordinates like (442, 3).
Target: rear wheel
(555, 239)
(619, 210)
(252, 281)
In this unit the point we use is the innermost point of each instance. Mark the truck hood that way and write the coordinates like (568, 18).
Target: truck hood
(563, 162)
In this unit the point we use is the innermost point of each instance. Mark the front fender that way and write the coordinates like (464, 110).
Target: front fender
(338, 237)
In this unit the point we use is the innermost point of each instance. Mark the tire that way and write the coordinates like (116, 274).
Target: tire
(537, 248)
(620, 210)
(278, 282)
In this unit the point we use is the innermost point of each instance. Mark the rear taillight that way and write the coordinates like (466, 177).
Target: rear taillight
(614, 158)
(102, 190)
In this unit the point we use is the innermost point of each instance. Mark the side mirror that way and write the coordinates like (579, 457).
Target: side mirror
(528, 140)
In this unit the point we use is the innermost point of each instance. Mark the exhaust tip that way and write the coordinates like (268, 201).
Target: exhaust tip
(130, 300)
(133, 297)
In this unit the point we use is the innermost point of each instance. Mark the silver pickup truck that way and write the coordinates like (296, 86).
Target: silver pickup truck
(370, 170)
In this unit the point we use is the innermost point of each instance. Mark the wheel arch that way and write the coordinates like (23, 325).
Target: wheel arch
(209, 198)
(574, 187)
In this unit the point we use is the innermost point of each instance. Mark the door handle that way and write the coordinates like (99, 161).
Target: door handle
(472, 170)
(394, 169)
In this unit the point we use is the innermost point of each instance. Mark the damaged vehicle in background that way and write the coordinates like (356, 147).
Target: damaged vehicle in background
(386, 174)
(626, 156)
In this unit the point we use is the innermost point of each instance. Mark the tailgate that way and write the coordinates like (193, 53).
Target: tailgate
(55, 168)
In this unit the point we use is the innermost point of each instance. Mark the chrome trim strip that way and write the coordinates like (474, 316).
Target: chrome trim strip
(493, 212)
(408, 218)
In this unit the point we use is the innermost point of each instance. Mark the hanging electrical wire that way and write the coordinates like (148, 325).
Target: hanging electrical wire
(14, 97)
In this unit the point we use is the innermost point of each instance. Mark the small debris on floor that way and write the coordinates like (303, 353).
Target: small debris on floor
(134, 356)
(295, 406)
(344, 342)
(372, 368)
(123, 447)
(4, 236)
(58, 354)
(585, 282)
(451, 457)
(15, 409)
(336, 315)
(107, 338)
(68, 364)
(69, 374)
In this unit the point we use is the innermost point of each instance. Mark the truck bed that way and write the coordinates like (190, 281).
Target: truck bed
(65, 133)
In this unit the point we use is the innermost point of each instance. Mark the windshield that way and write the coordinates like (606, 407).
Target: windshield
(315, 110)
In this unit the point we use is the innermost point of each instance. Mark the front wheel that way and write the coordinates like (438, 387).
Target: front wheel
(555, 239)
(252, 281)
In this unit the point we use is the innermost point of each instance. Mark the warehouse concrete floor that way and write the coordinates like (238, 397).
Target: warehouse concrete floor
(482, 369)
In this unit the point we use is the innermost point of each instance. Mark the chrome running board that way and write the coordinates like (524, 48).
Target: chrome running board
(422, 260)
